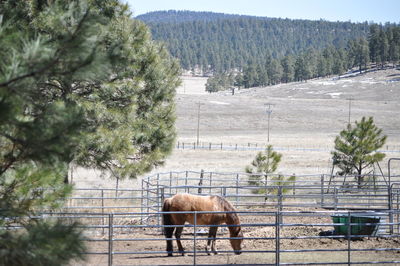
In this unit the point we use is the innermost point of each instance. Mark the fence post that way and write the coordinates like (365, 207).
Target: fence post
(147, 198)
(237, 188)
(194, 238)
(348, 238)
(199, 191)
(186, 182)
(336, 201)
(277, 237)
(390, 208)
(102, 209)
(322, 190)
(162, 197)
(170, 182)
(141, 202)
(110, 239)
(210, 183)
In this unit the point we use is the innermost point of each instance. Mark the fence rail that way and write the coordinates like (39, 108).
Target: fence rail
(270, 238)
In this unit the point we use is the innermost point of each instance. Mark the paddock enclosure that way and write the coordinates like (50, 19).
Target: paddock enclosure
(316, 220)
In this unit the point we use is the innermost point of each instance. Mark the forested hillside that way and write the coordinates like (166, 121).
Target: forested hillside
(221, 42)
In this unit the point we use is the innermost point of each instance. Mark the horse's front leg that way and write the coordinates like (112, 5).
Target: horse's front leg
(212, 234)
(178, 233)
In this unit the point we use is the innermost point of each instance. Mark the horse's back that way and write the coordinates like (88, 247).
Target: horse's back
(189, 203)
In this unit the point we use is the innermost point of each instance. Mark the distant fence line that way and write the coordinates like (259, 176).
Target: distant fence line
(261, 146)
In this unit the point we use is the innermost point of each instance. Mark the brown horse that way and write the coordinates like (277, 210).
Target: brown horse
(189, 203)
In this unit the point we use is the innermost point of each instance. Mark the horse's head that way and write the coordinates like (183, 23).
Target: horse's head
(236, 241)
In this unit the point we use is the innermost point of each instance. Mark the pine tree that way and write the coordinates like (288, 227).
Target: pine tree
(238, 82)
(263, 167)
(301, 69)
(264, 164)
(250, 76)
(262, 76)
(373, 41)
(383, 48)
(356, 148)
(287, 69)
(275, 72)
(80, 82)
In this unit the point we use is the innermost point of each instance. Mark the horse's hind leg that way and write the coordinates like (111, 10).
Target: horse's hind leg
(169, 231)
(178, 233)
(212, 234)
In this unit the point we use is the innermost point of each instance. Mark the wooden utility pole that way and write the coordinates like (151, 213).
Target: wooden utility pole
(198, 122)
(350, 99)
(269, 111)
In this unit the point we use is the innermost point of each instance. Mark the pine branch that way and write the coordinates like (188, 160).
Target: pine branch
(59, 53)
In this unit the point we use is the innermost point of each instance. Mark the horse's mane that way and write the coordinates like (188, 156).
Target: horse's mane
(232, 217)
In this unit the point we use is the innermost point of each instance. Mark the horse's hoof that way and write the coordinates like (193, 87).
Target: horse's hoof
(170, 255)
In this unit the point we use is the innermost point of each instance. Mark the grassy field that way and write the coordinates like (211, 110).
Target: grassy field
(304, 115)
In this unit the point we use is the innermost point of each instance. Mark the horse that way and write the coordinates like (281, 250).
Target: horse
(189, 203)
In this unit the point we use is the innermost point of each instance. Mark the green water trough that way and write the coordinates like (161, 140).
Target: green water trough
(361, 225)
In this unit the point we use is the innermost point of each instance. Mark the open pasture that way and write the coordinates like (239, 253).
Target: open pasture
(304, 115)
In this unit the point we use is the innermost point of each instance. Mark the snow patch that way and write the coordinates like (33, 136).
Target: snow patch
(335, 95)
(220, 103)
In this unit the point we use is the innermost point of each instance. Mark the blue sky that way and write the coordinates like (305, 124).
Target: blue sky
(379, 11)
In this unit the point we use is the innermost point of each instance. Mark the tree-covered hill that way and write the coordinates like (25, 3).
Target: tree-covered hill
(216, 41)
(173, 16)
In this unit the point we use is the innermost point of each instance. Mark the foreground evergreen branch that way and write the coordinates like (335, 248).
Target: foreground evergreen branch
(82, 83)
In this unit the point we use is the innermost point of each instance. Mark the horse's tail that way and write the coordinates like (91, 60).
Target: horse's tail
(167, 219)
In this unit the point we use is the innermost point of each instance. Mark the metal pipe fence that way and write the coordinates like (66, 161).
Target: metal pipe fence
(117, 219)
(270, 238)
(321, 191)
(308, 191)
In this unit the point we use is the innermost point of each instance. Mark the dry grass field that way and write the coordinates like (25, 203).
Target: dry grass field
(305, 115)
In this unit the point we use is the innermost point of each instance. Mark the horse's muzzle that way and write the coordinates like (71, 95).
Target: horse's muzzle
(238, 252)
